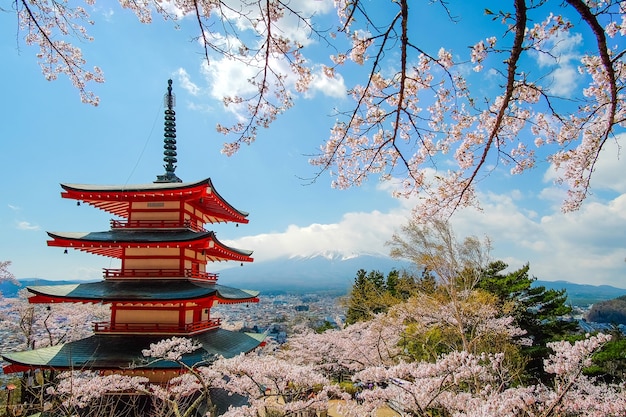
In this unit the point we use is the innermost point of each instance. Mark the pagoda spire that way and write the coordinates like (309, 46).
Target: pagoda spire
(169, 139)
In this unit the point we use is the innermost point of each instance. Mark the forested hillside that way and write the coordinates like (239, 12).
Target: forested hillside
(609, 311)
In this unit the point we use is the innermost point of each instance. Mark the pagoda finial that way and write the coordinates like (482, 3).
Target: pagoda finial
(169, 139)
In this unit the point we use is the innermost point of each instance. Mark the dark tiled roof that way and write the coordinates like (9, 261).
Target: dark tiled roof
(137, 187)
(204, 186)
(122, 236)
(91, 241)
(119, 352)
(157, 290)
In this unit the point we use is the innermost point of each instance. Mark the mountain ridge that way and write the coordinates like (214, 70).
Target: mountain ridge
(334, 272)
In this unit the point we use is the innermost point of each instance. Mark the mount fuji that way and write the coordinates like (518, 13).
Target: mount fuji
(331, 271)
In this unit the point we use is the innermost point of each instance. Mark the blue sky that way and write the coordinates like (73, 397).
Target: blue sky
(50, 137)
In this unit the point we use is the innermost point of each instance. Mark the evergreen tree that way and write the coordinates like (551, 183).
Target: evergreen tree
(393, 279)
(609, 363)
(537, 310)
(372, 294)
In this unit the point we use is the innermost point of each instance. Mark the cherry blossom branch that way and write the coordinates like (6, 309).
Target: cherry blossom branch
(516, 52)
(5, 274)
(205, 41)
(70, 55)
(607, 63)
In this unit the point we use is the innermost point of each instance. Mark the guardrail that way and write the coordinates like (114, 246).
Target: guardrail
(135, 273)
(155, 224)
(108, 327)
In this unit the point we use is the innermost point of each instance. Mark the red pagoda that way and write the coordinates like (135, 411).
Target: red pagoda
(162, 287)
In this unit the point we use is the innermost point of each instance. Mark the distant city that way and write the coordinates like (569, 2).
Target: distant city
(276, 314)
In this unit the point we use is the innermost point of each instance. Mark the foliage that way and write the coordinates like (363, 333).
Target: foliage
(326, 325)
(5, 274)
(371, 294)
(455, 264)
(29, 326)
(461, 268)
(457, 383)
(609, 363)
(472, 377)
(540, 312)
(437, 325)
(417, 107)
(609, 311)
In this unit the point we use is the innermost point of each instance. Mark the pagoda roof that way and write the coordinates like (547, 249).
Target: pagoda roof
(111, 242)
(123, 352)
(139, 291)
(116, 199)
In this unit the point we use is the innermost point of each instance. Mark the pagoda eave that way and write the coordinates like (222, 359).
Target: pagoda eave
(112, 244)
(227, 301)
(116, 199)
(117, 352)
(159, 292)
(47, 299)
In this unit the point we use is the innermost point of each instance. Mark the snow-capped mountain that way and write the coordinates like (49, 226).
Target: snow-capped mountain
(327, 270)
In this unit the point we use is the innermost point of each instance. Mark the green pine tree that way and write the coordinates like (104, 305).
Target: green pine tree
(537, 310)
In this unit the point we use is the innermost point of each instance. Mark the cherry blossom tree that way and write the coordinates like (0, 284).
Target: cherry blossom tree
(417, 108)
(292, 381)
(268, 383)
(94, 393)
(336, 352)
(90, 394)
(29, 326)
(274, 386)
(464, 384)
(407, 119)
(5, 274)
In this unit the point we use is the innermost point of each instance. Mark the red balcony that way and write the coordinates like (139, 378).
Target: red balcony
(155, 328)
(110, 273)
(156, 224)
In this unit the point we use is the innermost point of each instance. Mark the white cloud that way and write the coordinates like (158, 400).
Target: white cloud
(290, 26)
(582, 247)
(23, 225)
(564, 79)
(357, 232)
(612, 160)
(186, 83)
(331, 87)
(228, 77)
(561, 51)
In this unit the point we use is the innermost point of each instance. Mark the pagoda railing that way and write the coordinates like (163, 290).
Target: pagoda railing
(152, 328)
(156, 224)
(110, 273)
